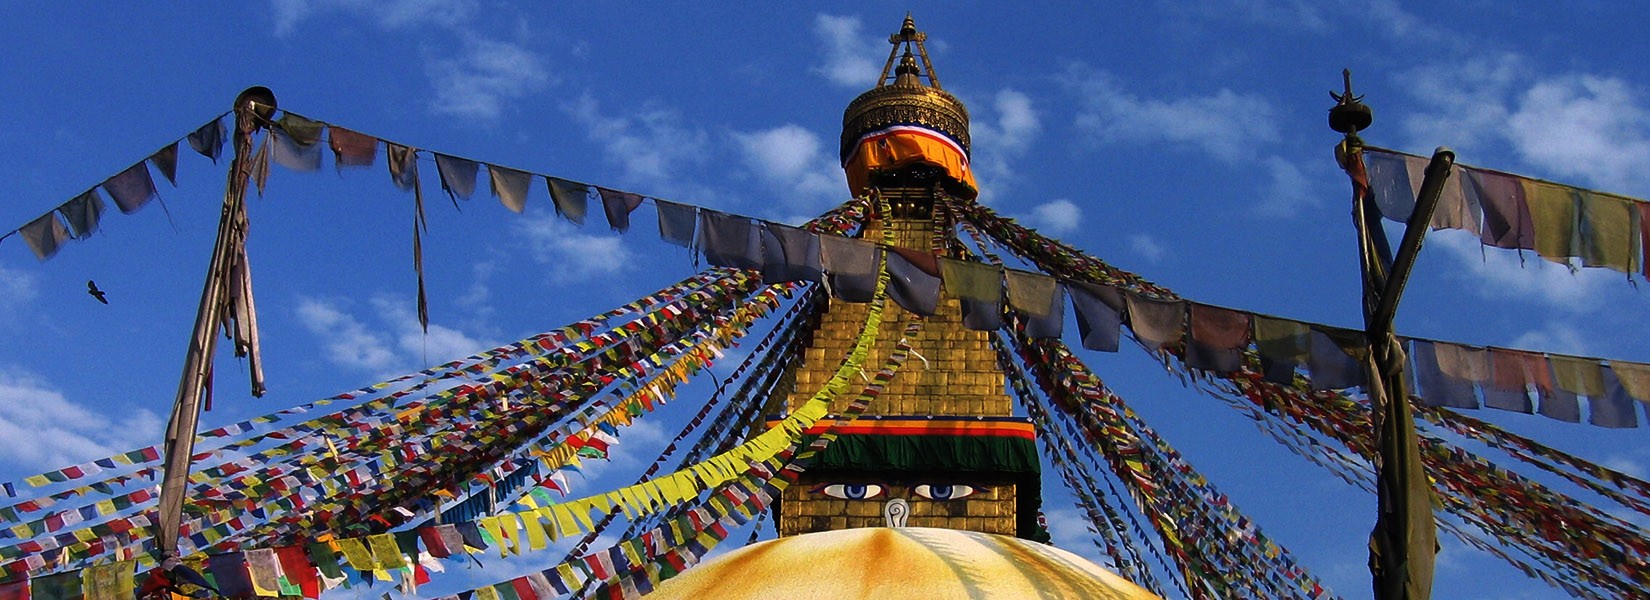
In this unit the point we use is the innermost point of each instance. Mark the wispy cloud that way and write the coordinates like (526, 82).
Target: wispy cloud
(852, 59)
(1587, 128)
(1147, 246)
(1225, 124)
(44, 429)
(999, 140)
(389, 15)
(1289, 191)
(792, 161)
(651, 144)
(484, 78)
(17, 288)
(387, 340)
(569, 252)
(345, 340)
(1055, 217)
(1503, 275)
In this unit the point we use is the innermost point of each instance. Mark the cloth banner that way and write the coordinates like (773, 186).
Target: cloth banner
(790, 254)
(1335, 361)
(572, 199)
(1283, 345)
(910, 287)
(729, 240)
(1156, 322)
(1099, 314)
(510, 187)
(208, 139)
(44, 235)
(851, 265)
(165, 160)
(676, 222)
(351, 149)
(1218, 337)
(458, 175)
(618, 206)
(979, 287)
(1507, 222)
(83, 213)
(1433, 384)
(131, 189)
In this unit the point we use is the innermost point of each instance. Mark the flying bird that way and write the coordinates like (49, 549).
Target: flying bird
(91, 288)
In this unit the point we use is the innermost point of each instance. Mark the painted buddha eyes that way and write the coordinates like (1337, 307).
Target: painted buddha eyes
(935, 491)
(867, 491)
(851, 491)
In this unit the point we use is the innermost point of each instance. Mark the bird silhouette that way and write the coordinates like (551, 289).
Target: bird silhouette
(91, 288)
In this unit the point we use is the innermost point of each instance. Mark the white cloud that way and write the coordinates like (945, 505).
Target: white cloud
(389, 15)
(16, 289)
(791, 160)
(1290, 191)
(387, 339)
(1584, 126)
(998, 141)
(1558, 338)
(1055, 217)
(651, 144)
(1226, 125)
(1501, 274)
(484, 77)
(346, 340)
(1591, 129)
(44, 430)
(1147, 247)
(571, 254)
(852, 59)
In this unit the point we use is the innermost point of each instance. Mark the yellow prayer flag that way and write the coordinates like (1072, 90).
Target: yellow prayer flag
(562, 516)
(536, 538)
(385, 551)
(491, 524)
(113, 581)
(356, 554)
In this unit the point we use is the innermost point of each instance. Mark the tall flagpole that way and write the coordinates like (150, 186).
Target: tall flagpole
(252, 109)
(1404, 542)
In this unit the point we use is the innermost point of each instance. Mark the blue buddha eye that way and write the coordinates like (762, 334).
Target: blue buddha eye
(850, 491)
(935, 491)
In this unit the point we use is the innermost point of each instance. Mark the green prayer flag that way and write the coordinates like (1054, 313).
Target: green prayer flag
(1553, 211)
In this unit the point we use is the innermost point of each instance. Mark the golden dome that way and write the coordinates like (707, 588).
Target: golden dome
(907, 100)
(895, 563)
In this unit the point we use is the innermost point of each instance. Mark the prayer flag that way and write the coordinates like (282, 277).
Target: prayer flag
(618, 206)
(351, 149)
(572, 199)
(1335, 362)
(1218, 338)
(789, 254)
(1436, 387)
(676, 222)
(458, 175)
(44, 235)
(165, 160)
(403, 162)
(979, 286)
(83, 213)
(1507, 222)
(1613, 408)
(1553, 211)
(910, 287)
(1156, 322)
(852, 267)
(296, 143)
(208, 139)
(1389, 182)
(729, 240)
(1099, 314)
(510, 187)
(1607, 234)
(131, 189)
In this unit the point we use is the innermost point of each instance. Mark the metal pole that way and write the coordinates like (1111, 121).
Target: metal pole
(252, 107)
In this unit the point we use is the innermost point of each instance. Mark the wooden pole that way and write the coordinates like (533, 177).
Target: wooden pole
(1404, 541)
(252, 108)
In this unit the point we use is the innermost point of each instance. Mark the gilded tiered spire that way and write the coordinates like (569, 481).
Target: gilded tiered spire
(901, 98)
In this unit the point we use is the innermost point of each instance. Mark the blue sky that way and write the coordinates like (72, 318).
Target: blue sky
(1185, 143)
